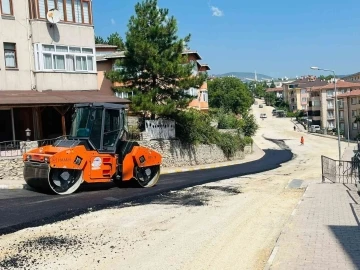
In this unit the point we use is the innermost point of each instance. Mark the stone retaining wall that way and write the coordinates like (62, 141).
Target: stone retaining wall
(174, 154)
(11, 168)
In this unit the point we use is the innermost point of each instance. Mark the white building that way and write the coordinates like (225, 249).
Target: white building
(46, 66)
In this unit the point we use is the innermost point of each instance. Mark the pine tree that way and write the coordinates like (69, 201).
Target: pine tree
(154, 66)
(116, 40)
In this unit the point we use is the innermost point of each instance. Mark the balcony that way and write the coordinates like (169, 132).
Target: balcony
(330, 117)
(330, 107)
(329, 96)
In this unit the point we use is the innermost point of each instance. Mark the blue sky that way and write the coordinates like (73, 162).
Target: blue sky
(276, 38)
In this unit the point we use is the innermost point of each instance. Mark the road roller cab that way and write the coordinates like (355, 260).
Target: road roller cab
(96, 151)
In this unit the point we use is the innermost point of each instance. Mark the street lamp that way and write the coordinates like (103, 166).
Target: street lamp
(336, 108)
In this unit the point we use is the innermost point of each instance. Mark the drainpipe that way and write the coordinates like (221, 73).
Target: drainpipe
(31, 51)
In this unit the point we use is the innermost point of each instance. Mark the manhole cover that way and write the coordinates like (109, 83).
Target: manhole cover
(295, 183)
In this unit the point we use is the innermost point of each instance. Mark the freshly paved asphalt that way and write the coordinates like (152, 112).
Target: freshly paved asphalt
(20, 209)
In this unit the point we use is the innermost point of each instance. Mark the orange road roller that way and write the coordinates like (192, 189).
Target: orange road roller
(96, 151)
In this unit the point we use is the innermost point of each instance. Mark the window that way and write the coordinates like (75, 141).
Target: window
(330, 115)
(205, 97)
(330, 93)
(10, 55)
(341, 103)
(355, 125)
(341, 115)
(330, 124)
(78, 11)
(353, 101)
(6, 7)
(342, 126)
(64, 58)
(303, 99)
(192, 92)
(353, 113)
(316, 103)
(112, 126)
(330, 104)
(122, 94)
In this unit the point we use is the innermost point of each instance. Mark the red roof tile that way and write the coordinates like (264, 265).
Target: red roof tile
(274, 89)
(353, 93)
(339, 84)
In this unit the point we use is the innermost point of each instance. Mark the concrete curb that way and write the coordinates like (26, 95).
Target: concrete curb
(203, 167)
(277, 246)
(15, 186)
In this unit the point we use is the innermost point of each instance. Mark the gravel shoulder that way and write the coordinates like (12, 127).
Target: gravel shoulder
(230, 224)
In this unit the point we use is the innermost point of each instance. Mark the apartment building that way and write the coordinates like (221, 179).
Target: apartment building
(48, 65)
(278, 91)
(322, 110)
(296, 94)
(349, 109)
(107, 55)
(352, 78)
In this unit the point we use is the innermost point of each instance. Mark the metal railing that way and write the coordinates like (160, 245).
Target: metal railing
(11, 148)
(346, 172)
(50, 141)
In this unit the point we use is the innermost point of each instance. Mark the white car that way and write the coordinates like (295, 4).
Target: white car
(263, 115)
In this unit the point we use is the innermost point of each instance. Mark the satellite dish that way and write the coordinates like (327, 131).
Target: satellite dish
(53, 16)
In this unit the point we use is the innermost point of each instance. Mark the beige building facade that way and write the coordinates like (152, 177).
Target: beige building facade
(296, 94)
(45, 65)
(349, 110)
(322, 107)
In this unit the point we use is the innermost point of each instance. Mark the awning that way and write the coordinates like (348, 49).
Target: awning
(56, 98)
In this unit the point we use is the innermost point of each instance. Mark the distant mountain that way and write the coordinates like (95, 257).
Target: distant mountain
(245, 76)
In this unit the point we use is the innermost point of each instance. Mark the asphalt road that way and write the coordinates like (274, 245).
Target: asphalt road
(20, 209)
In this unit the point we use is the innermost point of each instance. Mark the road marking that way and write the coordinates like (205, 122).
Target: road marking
(111, 199)
(272, 257)
(293, 212)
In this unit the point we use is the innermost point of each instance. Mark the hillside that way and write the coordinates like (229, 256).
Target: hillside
(245, 76)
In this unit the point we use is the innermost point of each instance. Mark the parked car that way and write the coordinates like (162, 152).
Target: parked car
(263, 115)
(314, 128)
(260, 106)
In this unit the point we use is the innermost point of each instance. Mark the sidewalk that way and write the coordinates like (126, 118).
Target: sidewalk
(255, 155)
(323, 231)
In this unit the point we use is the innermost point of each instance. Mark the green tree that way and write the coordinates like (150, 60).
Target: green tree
(116, 40)
(231, 94)
(249, 126)
(270, 98)
(154, 66)
(272, 84)
(99, 40)
(260, 90)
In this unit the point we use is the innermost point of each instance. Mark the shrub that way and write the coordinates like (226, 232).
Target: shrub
(291, 114)
(230, 144)
(228, 121)
(194, 127)
(248, 140)
(249, 126)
